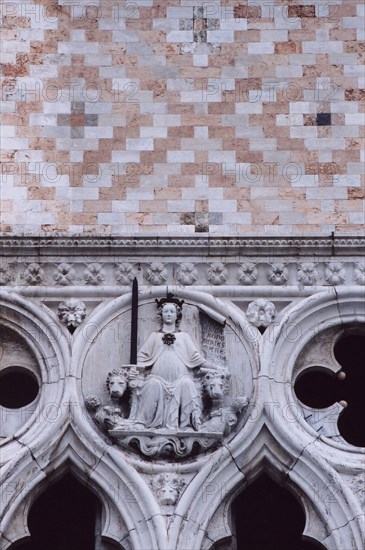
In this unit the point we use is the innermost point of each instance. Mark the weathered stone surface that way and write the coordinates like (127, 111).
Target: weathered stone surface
(180, 496)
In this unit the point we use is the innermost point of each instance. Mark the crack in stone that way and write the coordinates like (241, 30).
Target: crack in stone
(272, 378)
(347, 522)
(62, 379)
(206, 534)
(300, 454)
(234, 460)
(31, 453)
(100, 459)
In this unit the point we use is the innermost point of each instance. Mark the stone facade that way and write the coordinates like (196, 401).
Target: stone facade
(264, 310)
(209, 150)
(182, 117)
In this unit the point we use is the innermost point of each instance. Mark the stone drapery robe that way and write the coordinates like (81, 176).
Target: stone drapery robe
(168, 397)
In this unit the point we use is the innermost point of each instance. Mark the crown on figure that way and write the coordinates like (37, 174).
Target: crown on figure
(170, 299)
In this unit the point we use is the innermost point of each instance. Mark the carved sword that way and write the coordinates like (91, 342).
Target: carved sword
(134, 322)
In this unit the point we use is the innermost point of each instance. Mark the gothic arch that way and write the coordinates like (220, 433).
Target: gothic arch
(340, 307)
(41, 449)
(22, 452)
(121, 491)
(301, 457)
(308, 463)
(329, 505)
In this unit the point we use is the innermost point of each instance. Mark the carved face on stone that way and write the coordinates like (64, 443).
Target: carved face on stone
(169, 314)
(72, 312)
(116, 383)
(117, 387)
(215, 385)
(92, 403)
(215, 388)
(167, 489)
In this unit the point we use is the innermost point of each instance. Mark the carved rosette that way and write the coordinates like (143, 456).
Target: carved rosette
(6, 273)
(247, 274)
(217, 274)
(261, 312)
(186, 274)
(64, 275)
(359, 273)
(277, 273)
(307, 274)
(156, 274)
(71, 312)
(34, 274)
(94, 274)
(125, 274)
(335, 273)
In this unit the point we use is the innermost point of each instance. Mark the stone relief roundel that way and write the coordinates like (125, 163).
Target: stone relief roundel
(185, 389)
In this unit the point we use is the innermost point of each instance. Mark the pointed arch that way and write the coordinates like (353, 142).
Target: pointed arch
(329, 505)
(125, 498)
(267, 515)
(107, 313)
(65, 515)
(281, 444)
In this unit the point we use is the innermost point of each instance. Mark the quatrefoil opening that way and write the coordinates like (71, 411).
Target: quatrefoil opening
(330, 384)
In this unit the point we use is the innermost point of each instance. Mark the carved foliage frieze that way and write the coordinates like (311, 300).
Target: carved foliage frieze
(250, 272)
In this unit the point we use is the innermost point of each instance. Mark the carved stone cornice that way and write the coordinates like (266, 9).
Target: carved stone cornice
(209, 245)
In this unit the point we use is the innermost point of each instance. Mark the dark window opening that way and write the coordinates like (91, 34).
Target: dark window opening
(65, 517)
(319, 388)
(350, 353)
(18, 387)
(269, 517)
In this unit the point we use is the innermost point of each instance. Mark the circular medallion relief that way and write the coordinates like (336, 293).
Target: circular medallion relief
(181, 387)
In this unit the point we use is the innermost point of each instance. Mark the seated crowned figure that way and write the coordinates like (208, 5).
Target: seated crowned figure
(168, 396)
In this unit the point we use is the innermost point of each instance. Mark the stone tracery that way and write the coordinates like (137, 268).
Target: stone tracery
(252, 444)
